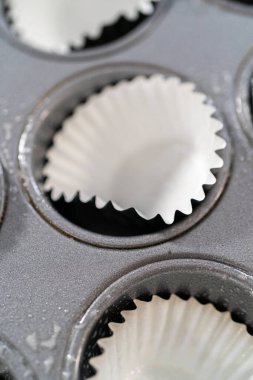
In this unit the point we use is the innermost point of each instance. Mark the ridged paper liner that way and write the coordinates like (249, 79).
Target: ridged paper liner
(58, 25)
(147, 144)
(175, 340)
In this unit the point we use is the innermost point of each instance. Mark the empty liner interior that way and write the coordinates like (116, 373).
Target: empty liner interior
(106, 218)
(63, 37)
(220, 345)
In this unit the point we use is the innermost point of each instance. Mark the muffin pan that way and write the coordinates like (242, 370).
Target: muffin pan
(62, 282)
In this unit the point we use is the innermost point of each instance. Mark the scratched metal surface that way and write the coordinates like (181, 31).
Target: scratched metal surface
(48, 279)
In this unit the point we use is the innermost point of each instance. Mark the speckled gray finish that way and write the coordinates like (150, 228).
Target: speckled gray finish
(47, 279)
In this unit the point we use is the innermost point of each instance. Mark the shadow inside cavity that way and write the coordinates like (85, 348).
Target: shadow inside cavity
(112, 33)
(5, 373)
(6, 376)
(107, 221)
(250, 94)
(246, 2)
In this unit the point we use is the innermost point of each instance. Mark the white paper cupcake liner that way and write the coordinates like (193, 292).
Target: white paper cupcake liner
(147, 144)
(176, 340)
(58, 25)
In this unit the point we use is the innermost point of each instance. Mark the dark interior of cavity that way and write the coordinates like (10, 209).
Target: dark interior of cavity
(105, 221)
(112, 314)
(5, 373)
(251, 97)
(109, 34)
(114, 32)
(4, 6)
(110, 222)
(247, 2)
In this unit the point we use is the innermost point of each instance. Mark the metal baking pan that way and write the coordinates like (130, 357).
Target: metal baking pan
(57, 280)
